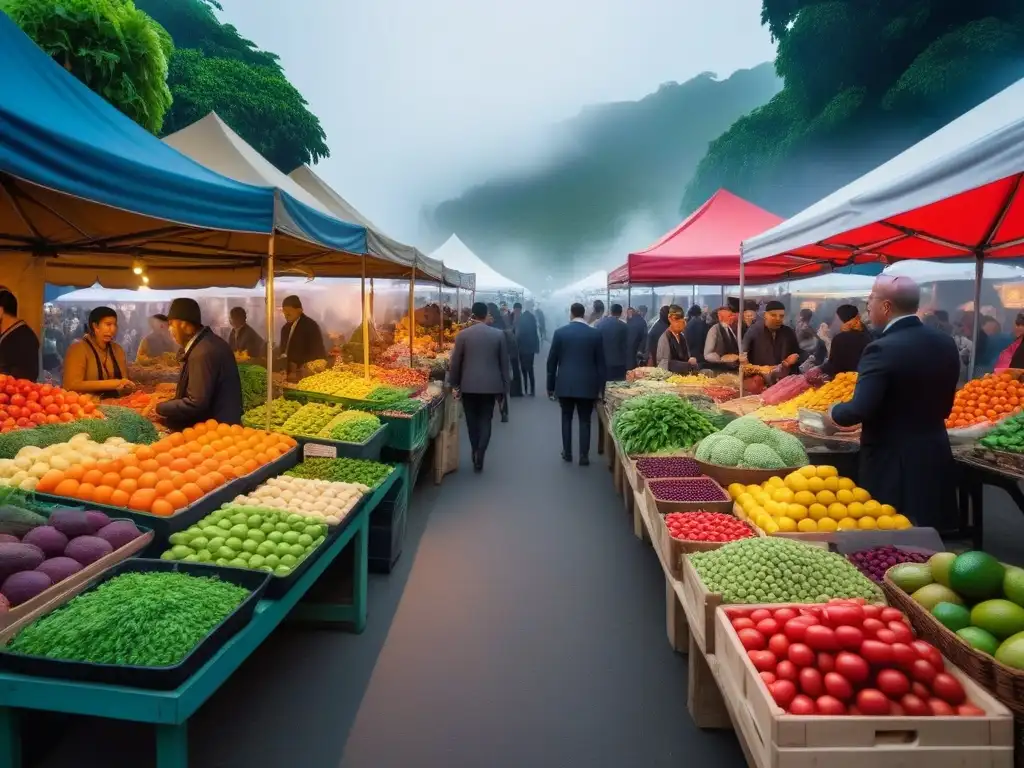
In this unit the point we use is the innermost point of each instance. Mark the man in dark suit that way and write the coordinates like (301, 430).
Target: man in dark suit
(528, 341)
(696, 333)
(479, 373)
(302, 341)
(906, 381)
(655, 334)
(576, 376)
(209, 386)
(615, 336)
(637, 325)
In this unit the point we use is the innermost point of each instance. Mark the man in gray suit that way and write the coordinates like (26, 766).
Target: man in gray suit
(615, 337)
(479, 373)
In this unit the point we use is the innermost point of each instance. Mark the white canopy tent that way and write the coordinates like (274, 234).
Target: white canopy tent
(592, 283)
(457, 255)
(99, 295)
(946, 271)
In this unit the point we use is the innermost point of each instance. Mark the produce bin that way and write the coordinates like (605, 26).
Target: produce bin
(278, 586)
(664, 506)
(387, 529)
(699, 605)
(407, 434)
(673, 550)
(342, 450)
(159, 678)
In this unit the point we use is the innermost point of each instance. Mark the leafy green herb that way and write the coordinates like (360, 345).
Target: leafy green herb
(653, 423)
(364, 471)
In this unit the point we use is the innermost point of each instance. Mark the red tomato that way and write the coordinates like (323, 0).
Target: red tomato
(876, 652)
(782, 615)
(18, 400)
(735, 613)
(871, 626)
(895, 710)
(743, 622)
(802, 705)
(915, 706)
(872, 611)
(811, 682)
(903, 655)
(892, 683)
(929, 653)
(779, 645)
(821, 638)
(829, 705)
(768, 627)
(751, 639)
(826, 662)
(763, 661)
(796, 629)
(885, 635)
(940, 708)
(949, 689)
(760, 614)
(800, 654)
(969, 710)
(922, 671)
(920, 690)
(904, 634)
(787, 670)
(872, 702)
(849, 638)
(838, 686)
(768, 677)
(844, 615)
(852, 667)
(783, 691)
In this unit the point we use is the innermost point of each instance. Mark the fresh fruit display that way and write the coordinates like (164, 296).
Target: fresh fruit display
(25, 404)
(720, 394)
(838, 390)
(654, 423)
(773, 570)
(655, 467)
(32, 463)
(387, 395)
(254, 385)
(814, 499)
(404, 378)
(691, 379)
(358, 471)
(326, 500)
(351, 427)
(687, 489)
(706, 526)
(162, 478)
(848, 657)
(1008, 435)
(749, 442)
(280, 411)
(338, 384)
(140, 401)
(150, 619)
(992, 397)
(310, 419)
(875, 561)
(648, 373)
(115, 422)
(256, 538)
(786, 389)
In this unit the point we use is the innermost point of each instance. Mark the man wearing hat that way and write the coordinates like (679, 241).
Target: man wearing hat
(158, 341)
(771, 342)
(721, 347)
(302, 341)
(848, 345)
(209, 386)
(673, 353)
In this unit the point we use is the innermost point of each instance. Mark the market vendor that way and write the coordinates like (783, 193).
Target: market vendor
(96, 364)
(158, 341)
(19, 345)
(209, 386)
(673, 354)
(848, 345)
(770, 342)
(243, 337)
(301, 339)
(721, 348)
(906, 381)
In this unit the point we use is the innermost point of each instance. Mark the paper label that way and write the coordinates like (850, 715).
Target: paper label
(317, 451)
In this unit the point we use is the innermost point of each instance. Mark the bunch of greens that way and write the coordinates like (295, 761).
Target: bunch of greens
(254, 385)
(117, 422)
(369, 473)
(386, 394)
(310, 419)
(351, 427)
(151, 619)
(654, 423)
(406, 406)
(280, 411)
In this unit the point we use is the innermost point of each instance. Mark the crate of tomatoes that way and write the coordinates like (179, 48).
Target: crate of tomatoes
(678, 533)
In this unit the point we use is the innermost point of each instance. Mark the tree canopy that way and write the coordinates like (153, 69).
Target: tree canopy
(864, 79)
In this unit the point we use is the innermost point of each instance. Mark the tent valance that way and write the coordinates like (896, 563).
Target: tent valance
(456, 255)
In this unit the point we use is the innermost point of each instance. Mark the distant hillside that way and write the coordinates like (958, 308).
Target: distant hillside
(626, 163)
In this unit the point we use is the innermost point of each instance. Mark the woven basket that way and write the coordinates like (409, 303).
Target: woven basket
(726, 476)
(1005, 682)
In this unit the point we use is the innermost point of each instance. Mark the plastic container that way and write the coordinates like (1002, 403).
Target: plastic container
(407, 434)
(158, 678)
(367, 450)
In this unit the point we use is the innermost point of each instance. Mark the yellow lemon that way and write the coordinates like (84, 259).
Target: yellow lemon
(828, 525)
(817, 511)
(737, 489)
(753, 490)
(804, 497)
(809, 471)
(815, 485)
(837, 511)
(859, 494)
(826, 470)
(762, 497)
(901, 522)
(872, 507)
(885, 523)
(786, 524)
(847, 524)
(846, 484)
(867, 523)
(844, 496)
(888, 509)
(783, 495)
(807, 526)
(826, 497)
(776, 482)
(762, 520)
(796, 482)
(831, 484)
(855, 510)
(796, 512)
(745, 499)
(773, 527)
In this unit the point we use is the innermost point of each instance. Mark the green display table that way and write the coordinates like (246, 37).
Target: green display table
(169, 711)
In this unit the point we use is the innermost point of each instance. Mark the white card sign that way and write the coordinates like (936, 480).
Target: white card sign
(317, 451)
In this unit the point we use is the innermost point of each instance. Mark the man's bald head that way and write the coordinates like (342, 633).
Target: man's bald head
(892, 297)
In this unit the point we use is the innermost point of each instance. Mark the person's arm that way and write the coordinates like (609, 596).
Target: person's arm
(868, 393)
(505, 363)
(664, 351)
(195, 404)
(76, 369)
(602, 366)
(709, 346)
(455, 364)
(553, 352)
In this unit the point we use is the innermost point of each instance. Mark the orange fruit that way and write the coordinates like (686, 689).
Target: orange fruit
(102, 494)
(178, 453)
(162, 508)
(236, 429)
(263, 458)
(206, 483)
(228, 472)
(195, 458)
(181, 465)
(165, 473)
(129, 461)
(110, 479)
(148, 480)
(142, 500)
(164, 459)
(189, 433)
(191, 476)
(128, 485)
(176, 438)
(119, 498)
(149, 465)
(48, 482)
(212, 423)
(222, 456)
(85, 491)
(209, 465)
(207, 452)
(176, 499)
(144, 452)
(74, 472)
(92, 477)
(192, 492)
(131, 473)
(163, 487)
(218, 478)
(223, 429)
(66, 487)
(251, 465)
(200, 428)
(105, 465)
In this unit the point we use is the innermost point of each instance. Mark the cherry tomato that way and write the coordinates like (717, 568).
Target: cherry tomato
(800, 654)
(876, 652)
(783, 691)
(768, 627)
(892, 683)
(811, 682)
(760, 614)
(844, 615)
(852, 667)
(849, 638)
(929, 653)
(872, 611)
(885, 635)
(903, 655)
(915, 706)
(751, 639)
(829, 705)
(787, 670)
(821, 638)
(738, 613)
(768, 677)
(940, 708)
(871, 627)
(779, 645)
(904, 634)
(826, 662)
(949, 689)
(920, 690)
(838, 686)
(922, 671)
(796, 629)
(802, 705)
(872, 702)
(782, 615)
(763, 661)
(889, 614)
(969, 710)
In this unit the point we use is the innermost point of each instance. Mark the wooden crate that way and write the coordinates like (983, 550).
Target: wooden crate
(777, 740)
(700, 606)
(664, 507)
(672, 550)
(446, 451)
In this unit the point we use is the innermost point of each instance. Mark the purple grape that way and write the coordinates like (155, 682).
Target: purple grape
(875, 561)
(688, 490)
(653, 467)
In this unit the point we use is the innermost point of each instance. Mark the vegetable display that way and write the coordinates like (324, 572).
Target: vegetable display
(784, 390)
(280, 411)
(338, 384)
(688, 379)
(357, 471)
(1007, 436)
(988, 399)
(750, 443)
(351, 427)
(32, 463)
(838, 390)
(875, 561)
(644, 372)
(653, 423)
(774, 570)
(326, 500)
(254, 385)
(706, 526)
(310, 419)
(848, 658)
(136, 619)
(256, 538)
(688, 489)
(116, 421)
(655, 467)
(25, 404)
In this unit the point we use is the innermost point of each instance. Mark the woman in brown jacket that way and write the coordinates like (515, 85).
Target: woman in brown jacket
(96, 364)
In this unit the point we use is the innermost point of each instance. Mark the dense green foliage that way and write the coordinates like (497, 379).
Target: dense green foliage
(864, 79)
(110, 45)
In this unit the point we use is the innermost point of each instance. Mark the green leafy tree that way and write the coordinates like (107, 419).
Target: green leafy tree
(116, 49)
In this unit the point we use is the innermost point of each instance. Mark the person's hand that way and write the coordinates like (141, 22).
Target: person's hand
(693, 361)
(730, 358)
(791, 359)
(126, 384)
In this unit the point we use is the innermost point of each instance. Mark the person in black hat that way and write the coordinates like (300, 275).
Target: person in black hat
(673, 354)
(301, 338)
(243, 338)
(654, 335)
(209, 386)
(721, 347)
(848, 345)
(771, 342)
(696, 333)
(158, 341)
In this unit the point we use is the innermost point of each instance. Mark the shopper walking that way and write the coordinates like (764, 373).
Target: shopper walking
(541, 327)
(528, 341)
(615, 338)
(576, 376)
(637, 325)
(479, 374)
(495, 320)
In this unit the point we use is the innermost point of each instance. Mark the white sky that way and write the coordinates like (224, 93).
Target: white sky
(421, 99)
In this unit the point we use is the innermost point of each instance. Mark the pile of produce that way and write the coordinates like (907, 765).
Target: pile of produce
(773, 570)
(974, 595)
(32, 463)
(150, 619)
(405, 378)
(386, 395)
(310, 419)
(848, 658)
(254, 385)
(648, 373)
(47, 554)
(875, 561)
(1007, 436)
(721, 394)
(161, 478)
(326, 500)
(690, 379)
(351, 427)
(338, 384)
(280, 411)
(814, 499)
(114, 421)
(838, 390)
(358, 471)
(655, 467)
(141, 401)
(654, 423)
(992, 397)
(403, 409)
(750, 443)
(692, 489)
(706, 526)
(25, 404)
(256, 538)
(784, 390)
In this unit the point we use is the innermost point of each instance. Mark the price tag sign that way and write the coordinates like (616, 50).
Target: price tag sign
(317, 451)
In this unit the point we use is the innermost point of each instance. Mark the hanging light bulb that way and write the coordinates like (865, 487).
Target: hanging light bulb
(145, 279)
(137, 267)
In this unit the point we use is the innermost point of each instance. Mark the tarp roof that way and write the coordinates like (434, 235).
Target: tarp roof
(100, 295)
(457, 255)
(704, 249)
(595, 281)
(945, 271)
(951, 195)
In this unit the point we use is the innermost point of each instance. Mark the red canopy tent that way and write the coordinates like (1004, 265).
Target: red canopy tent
(705, 249)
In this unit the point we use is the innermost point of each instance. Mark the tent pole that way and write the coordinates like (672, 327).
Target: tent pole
(654, 303)
(412, 312)
(979, 270)
(629, 296)
(366, 319)
(739, 317)
(440, 314)
(268, 287)
(371, 298)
